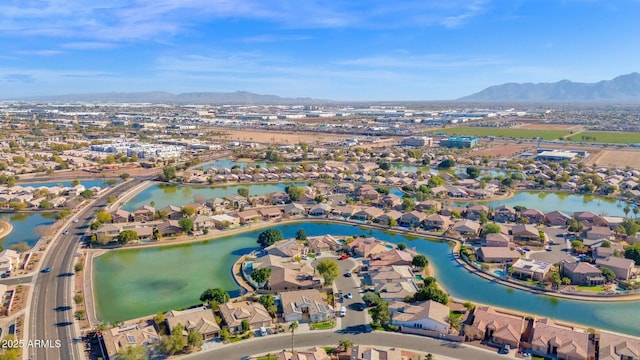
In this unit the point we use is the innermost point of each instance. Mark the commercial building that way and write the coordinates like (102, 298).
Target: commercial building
(459, 142)
(556, 155)
(417, 141)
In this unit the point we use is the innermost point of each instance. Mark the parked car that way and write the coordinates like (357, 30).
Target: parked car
(504, 349)
(349, 296)
(66, 232)
(344, 256)
(347, 274)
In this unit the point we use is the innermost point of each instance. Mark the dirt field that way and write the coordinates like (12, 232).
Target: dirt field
(279, 137)
(500, 151)
(551, 127)
(616, 158)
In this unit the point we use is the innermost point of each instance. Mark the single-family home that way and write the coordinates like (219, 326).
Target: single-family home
(497, 240)
(617, 346)
(119, 338)
(248, 216)
(305, 306)
(557, 218)
(237, 201)
(530, 269)
(367, 246)
(474, 212)
(533, 216)
(551, 340)
(169, 228)
(495, 327)
(426, 315)
(279, 197)
(391, 257)
(526, 233)
(598, 233)
(588, 218)
(286, 248)
(225, 221)
(390, 201)
(294, 210)
(361, 352)
(171, 212)
(323, 243)
(233, 314)
(201, 222)
(368, 213)
(200, 320)
(386, 218)
(9, 261)
(120, 216)
(428, 205)
(321, 209)
(467, 228)
(144, 213)
(270, 213)
(412, 219)
(437, 222)
(581, 273)
(108, 232)
(504, 213)
(497, 255)
(623, 268)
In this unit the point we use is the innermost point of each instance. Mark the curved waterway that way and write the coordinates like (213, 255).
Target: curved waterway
(137, 282)
(24, 227)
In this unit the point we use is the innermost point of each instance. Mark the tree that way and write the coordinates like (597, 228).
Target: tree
(575, 226)
(454, 320)
(124, 176)
(261, 276)
(431, 292)
(328, 268)
(606, 244)
(492, 228)
(269, 237)
(20, 247)
(188, 210)
(345, 344)
(168, 173)
(630, 226)
(608, 273)
(420, 261)
(243, 191)
(408, 204)
(292, 327)
(402, 246)
(127, 236)
(173, 343)
(473, 172)
(636, 210)
(380, 314)
(132, 352)
(626, 210)
(103, 216)
(87, 194)
(633, 253)
(78, 267)
(447, 164)
(268, 301)
(245, 325)
(393, 222)
(371, 298)
(294, 192)
(301, 235)
(217, 294)
(186, 224)
(483, 218)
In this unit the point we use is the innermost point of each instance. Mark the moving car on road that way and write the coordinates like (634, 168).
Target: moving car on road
(47, 269)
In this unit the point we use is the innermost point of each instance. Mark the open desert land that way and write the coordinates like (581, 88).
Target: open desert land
(574, 128)
(278, 137)
(616, 158)
(500, 151)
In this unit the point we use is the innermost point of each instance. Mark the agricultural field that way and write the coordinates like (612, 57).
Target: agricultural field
(611, 137)
(616, 158)
(517, 133)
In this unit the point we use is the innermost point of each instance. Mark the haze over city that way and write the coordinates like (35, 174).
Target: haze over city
(359, 50)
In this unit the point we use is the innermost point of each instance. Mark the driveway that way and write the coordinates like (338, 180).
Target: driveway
(559, 250)
(355, 320)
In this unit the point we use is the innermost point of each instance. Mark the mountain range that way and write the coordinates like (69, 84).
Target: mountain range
(622, 89)
(238, 97)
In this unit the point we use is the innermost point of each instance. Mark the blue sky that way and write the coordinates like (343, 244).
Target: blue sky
(340, 50)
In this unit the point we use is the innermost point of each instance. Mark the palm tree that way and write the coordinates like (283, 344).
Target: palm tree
(345, 344)
(626, 210)
(292, 327)
(454, 320)
(636, 210)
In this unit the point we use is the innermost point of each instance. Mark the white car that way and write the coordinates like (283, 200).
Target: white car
(349, 296)
(75, 220)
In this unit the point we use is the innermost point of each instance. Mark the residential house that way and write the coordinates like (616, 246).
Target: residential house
(396, 291)
(475, 212)
(120, 216)
(280, 197)
(526, 233)
(504, 213)
(437, 222)
(108, 232)
(367, 246)
(314, 353)
(598, 233)
(426, 315)
(270, 213)
(294, 210)
(202, 222)
(428, 205)
(452, 210)
(533, 216)
(368, 213)
(617, 346)
(497, 255)
(200, 320)
(119, 338)
(323, 243)
(581, 273)
(286, 278)
(467, 228)
(321, 209)
(144, 213)
(305, 306)
(386, 218)
(248, 216)
(530, 269)
(557, 218)
(225, 221)
(497, 240)
(237, 201)
(600, 252)
(233, 314)
(286, 248)
(390, 201)
(200, 209)
(412, 219)
(588, 218)
(360, 352)
(623, 268)
(171, 212)
(391, 257)
(9, 261)
(345, 211)
(169, 228)
(495, 327)
(564, 343)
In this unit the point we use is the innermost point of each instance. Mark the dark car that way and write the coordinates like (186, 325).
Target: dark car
(504, 349)
(47, 269)
(347, 274)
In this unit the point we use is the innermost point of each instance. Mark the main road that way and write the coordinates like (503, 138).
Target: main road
(50, 316)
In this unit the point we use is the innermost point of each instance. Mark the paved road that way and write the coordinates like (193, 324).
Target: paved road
(51, 317)
(355, 318)
(275, 343)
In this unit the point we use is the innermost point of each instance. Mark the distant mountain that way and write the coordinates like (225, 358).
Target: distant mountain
(238, 97)
(624, 88)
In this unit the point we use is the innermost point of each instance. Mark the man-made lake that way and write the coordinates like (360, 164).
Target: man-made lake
(228, 164)
(24, 226)
(138, 282)
(565, 202)
(164, 194)
(87, 183)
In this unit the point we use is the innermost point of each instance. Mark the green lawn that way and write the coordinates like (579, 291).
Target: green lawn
(612, 137)
(322, 325)
(503, 132)
(590, 288)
